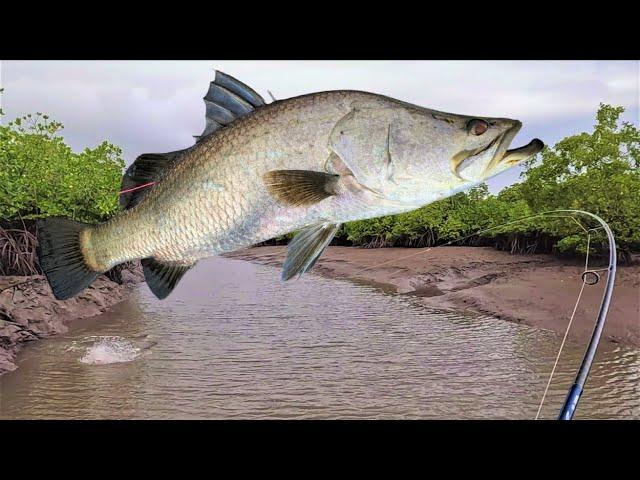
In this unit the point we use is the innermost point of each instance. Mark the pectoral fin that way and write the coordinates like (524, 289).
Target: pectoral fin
(300, 187)
(306, 247)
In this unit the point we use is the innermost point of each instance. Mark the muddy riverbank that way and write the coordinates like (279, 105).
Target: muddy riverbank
(29, 311)
(538, 290)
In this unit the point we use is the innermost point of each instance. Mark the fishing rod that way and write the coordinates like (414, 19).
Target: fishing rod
(571, 402)
(589, 277)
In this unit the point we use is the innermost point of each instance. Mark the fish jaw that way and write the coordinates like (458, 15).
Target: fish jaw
(518, 155)
(484, 163)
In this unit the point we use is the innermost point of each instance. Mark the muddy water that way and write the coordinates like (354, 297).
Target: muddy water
(234, 342)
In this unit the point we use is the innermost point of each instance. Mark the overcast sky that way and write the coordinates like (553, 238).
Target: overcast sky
(156, 106)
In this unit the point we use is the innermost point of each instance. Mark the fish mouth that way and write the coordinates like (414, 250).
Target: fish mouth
(502, 157)
(517, 155)
(511, 157)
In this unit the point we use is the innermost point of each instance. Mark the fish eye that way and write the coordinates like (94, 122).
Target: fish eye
(477, 126)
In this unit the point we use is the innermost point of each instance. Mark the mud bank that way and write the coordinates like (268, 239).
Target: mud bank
(29, 311)
(538, 290)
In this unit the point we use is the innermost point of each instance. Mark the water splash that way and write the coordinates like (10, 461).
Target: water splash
(107, 349)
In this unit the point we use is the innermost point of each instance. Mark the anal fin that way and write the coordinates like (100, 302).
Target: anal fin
(306, 247)
(162, 277)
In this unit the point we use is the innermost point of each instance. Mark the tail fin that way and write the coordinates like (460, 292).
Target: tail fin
(61, 258)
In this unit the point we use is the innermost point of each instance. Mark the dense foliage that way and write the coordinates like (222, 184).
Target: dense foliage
(597, 172)
(41, 176)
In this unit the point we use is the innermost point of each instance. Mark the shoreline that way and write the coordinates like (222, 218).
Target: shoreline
(29, 311)
(535, 290)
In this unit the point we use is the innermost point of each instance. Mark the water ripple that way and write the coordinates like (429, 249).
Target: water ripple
(235, 342)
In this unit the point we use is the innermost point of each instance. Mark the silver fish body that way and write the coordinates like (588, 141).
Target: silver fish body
(310, 162)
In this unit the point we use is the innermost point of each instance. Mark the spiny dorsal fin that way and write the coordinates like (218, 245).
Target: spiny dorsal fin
(147, 168)
(228, 99)
(306, 247)
(300, 187)
(161, 277)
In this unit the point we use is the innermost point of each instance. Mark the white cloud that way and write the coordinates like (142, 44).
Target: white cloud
(153, 106)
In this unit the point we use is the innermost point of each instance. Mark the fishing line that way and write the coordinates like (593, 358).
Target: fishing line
(566, 333)
(576, 390)
(461, 239)
(144, 185)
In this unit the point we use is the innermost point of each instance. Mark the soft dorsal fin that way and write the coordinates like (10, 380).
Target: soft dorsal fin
(226, 100)
(147, 168)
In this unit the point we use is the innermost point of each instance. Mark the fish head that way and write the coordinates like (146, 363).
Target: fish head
(414, 155)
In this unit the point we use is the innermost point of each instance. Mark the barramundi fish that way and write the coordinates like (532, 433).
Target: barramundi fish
(305, 164)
